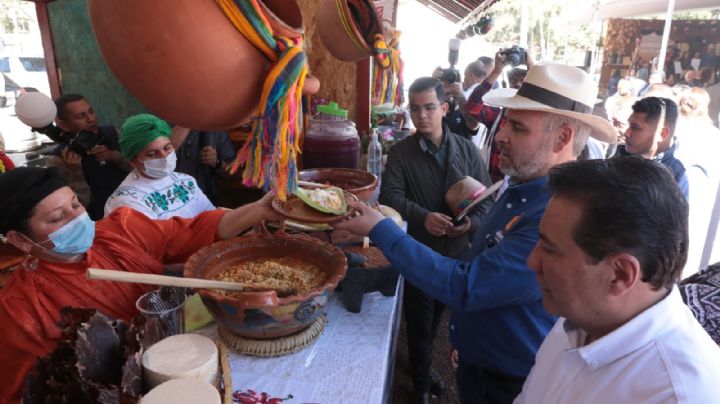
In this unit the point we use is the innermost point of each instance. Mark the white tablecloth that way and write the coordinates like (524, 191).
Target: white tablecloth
(351, 362)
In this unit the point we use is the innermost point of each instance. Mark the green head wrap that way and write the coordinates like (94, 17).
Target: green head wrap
(139, 131)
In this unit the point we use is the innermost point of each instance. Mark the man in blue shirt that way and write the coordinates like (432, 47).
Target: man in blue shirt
(498, 319)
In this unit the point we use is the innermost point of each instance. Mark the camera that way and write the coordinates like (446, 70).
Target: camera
(80, 142)
(450, 75)
(514, 56)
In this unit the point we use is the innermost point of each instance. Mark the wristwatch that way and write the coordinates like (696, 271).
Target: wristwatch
(218, 165)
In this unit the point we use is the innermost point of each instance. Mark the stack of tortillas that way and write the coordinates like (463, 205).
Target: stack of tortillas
(180, 357)
(183, 391)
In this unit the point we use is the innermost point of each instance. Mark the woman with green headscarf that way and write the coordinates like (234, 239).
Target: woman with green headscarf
(153, 187)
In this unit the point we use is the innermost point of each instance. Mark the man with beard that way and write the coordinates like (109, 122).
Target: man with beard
(498, 320)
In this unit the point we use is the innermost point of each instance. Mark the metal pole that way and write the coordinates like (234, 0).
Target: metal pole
(665, 37)
(594, 49)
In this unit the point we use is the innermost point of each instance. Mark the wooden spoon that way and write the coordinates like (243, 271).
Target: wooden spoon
(163, 280)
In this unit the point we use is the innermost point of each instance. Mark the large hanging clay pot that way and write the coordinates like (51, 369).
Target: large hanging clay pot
(182, 59)
(338, 31)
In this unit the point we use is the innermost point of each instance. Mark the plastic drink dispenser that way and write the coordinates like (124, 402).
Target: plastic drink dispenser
(331, 140)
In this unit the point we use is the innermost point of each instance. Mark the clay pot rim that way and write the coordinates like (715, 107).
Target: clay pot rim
(356, 36)
(361, 173)
(283, 28)
(339, 264)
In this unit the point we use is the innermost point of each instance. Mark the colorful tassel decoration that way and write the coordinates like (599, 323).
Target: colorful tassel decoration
(268, 157)
(387, 69)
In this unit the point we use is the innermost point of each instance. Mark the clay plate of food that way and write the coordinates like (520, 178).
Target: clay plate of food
(295, 208)
(358, 182)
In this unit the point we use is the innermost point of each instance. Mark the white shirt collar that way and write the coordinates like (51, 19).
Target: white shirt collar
(636, 333)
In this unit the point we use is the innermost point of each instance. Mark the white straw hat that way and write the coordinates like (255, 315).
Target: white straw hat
(559, 89)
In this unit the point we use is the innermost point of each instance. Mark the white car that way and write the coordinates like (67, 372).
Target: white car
(24, 73)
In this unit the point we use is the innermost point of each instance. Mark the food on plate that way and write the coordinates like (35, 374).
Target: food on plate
(327, 200)
(286, 275)
(391, 213)
(183, 391)
(181, 356)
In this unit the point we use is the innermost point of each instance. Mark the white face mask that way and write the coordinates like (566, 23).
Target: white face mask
(162, 167)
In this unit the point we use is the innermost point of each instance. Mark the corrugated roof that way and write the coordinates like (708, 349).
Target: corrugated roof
(457, 10)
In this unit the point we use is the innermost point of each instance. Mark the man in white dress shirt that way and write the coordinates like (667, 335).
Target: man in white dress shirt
(613, 242)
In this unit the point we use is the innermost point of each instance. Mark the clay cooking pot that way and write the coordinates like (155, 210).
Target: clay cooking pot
(263, 315)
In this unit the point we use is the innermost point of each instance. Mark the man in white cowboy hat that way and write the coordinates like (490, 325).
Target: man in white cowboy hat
(419, 171)
(498, 320)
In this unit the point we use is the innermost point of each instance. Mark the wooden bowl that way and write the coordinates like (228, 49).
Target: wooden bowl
(358, 182)
(263, 315)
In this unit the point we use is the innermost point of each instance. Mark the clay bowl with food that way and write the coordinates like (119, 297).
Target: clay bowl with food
(358, 182)
(268, 314)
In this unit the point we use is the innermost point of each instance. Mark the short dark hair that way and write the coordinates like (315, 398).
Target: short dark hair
(65, 99)
(517, 73)
(478, 69)
(632, 205)
(487, 60)
(427, 83)
(652, 108)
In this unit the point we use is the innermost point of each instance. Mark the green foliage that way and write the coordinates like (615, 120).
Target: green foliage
(711, 14)
(551, 28)
(15, 16)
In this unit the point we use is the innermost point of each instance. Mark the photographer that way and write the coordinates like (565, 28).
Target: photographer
(91, 158)
(457, 119)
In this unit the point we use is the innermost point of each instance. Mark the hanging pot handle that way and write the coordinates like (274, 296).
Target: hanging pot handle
(262, 229)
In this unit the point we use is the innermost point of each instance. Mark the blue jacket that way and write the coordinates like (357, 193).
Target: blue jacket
(668, 159)
(498, 321)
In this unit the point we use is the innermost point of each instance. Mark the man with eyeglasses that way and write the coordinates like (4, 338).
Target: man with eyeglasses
(498, 321)
(419, 171)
